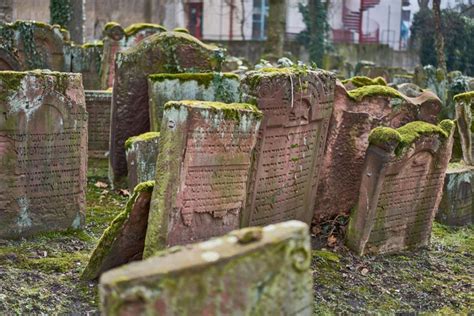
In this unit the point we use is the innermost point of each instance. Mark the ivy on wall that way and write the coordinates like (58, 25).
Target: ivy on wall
(61, 12)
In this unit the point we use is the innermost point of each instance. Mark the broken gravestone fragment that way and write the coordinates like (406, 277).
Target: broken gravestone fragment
(222, 87)
(123, 241)
(166, 52)
(297, 104)
(142, 151)
(355, 114)
(201, 171)
(98, 104)
(456, 207)
(464, 103)
(401, 187)
(43, 152)
(234, 274)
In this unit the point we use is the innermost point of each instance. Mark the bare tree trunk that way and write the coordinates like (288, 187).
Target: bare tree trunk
(439, 36)
(276, 27)
(242, 20)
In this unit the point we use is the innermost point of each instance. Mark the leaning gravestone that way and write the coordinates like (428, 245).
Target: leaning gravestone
(201, 171)
(464, 103)
(253, 271)
(141, 152)
(457, 205)
(222, 87)
(43, 152)
(355, 114)
(297, 105)
(123, 241)
(168, 52)
(401, 188)
(98, 104)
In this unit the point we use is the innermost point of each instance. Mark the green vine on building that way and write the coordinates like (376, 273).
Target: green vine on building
(61, 12)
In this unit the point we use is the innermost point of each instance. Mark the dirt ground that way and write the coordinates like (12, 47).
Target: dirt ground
(41, 274)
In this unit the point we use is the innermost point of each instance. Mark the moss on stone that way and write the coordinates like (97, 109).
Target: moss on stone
(9, 83)
(137, 27)
(383, 135)
(465, 97)
(181, 29)
(362, 81)
(201, 78)
(93, 44)
(372, 91)
(110, 25)
(232, 111)
(140, 138)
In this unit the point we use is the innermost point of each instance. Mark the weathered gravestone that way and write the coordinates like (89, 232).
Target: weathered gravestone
(457, 205)
(409, 89)
(123, 241)
(168, 52)
(428, 77)
(253, 271)
(355, 114)
(361, 81)
(142, 151)
(201, 171)
(87, 60)
(464, 104)
(98, 104)
(297, 105)
(117, 39)
(43, 152)
(222, 87)
(402, 185)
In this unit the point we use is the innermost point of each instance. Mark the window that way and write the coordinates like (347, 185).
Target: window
(259, 17)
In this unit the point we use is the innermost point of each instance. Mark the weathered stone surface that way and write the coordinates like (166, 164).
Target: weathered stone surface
(409, 89)
(347, 142)
(43, 152)
(247, 272)
(85, 59)
(428, 77)
(141, 152)
(201, 171)
(123, 241)
(464, 104)
(456, 207)
(117, 39)
(98, 104)
(297, 105)
(222, 87)
(402, 185)
(167, 52)
(361, 81)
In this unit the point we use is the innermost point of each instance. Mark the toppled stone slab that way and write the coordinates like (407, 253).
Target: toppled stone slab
(142, 151)
(43, 152)
(457, 205)
(355, 114)
(297, 104)
(401, 188)
(167, 52)
(464, 103)
(123, 241)
(98, 104)
(221, 87)
(235, 274)
(201, 171)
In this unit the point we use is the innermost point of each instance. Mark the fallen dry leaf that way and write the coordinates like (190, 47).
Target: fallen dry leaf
(332, 241)
(101, 185)
(124, 192)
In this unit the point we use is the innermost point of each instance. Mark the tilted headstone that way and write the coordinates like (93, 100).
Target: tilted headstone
(355, 114)
(457, 205)
(464, 104)
(167, 52)
(297, 105)
(401, 188)
(222, 87)
(142, 151)
(98, 104)
(201, 171)
(253, 271)
(123, 241)
(43, 152)
(428, 77)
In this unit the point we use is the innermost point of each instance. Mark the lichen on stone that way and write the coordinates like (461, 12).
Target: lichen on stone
(362, 81)
(373, 91)
(141, 138)
(202, 78)
(465, 97)
(93, 44)
(181, 29)
(231, 111)
(137, 27)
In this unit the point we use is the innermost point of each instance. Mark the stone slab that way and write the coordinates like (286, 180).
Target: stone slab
(98, 103)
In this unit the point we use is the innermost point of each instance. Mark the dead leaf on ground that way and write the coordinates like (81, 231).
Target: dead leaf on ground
(332, 241)
(101, 185)
(124, 192)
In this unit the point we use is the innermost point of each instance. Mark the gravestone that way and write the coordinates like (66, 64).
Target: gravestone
(167, 52)
(222, 87)
(141, 152)
(463, 106)
(43, 152)
(253, 271)
(456, 207)
(85, 59)
(355, 114)
(117, 39)
(201, 171)
(123, 241)
(297, 105)
(429, 77)
(98, 104)
(401, 187)
(361, 81)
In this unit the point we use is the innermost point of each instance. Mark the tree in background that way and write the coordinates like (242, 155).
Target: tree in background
(276, 28)
(439, 40)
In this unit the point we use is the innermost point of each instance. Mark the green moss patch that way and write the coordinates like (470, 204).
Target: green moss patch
(232, 111)
(110, 25)
(362, 81)
(141, 138)
(201, 78)
(373, 91)
(93, 44)
(137, 27)
(465, 97)
(181, 29)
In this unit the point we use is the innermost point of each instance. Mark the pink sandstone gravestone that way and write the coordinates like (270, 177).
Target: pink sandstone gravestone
(201, 171)
(401, 187)
(297, 105)
(43, 152)
(252, 271)
(98, 104)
